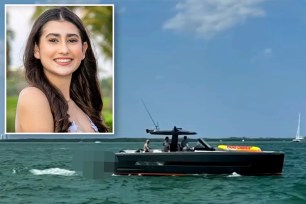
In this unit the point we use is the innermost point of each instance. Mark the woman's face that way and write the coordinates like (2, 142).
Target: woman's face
(60, 49)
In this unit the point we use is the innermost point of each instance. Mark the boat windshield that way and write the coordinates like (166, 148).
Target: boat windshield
(203, 145)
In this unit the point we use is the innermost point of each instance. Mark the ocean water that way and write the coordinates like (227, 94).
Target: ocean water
(43, 172)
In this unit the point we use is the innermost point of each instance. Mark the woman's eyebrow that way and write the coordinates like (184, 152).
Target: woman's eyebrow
(58, 35)
(72, 35)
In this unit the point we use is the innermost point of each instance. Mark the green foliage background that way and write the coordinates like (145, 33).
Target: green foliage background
(16, 82)
(11, 103)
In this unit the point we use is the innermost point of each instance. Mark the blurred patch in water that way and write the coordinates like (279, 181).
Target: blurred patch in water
(94, 163)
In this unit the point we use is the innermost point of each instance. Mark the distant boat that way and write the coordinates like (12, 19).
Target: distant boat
(3, 137)
(298, 137)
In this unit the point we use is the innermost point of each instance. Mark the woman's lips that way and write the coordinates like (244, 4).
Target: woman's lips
(63, 61)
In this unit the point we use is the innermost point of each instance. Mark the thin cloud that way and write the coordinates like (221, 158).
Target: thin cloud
(267, 52)
(262, 54)
(206, 18)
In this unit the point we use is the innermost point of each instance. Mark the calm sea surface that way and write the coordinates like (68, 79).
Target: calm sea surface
(33, 172)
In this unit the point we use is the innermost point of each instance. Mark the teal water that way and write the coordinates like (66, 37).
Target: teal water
(33, 172)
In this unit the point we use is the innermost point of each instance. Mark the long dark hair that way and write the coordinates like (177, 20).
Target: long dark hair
(84, 88)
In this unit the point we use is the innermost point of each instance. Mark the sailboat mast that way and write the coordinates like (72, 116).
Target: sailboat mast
(298, 128)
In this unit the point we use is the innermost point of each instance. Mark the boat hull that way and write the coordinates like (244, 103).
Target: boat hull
(204, 162)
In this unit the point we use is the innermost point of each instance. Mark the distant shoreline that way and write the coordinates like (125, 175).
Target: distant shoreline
(229, 139)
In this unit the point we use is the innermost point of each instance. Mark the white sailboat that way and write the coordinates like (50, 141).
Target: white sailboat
(298, 137)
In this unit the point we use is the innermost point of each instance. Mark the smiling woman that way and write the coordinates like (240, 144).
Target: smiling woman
(63, 93)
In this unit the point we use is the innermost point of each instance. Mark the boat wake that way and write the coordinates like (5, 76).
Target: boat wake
(53, 171)
(234, 174)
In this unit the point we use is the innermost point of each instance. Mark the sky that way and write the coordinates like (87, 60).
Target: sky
(232, 68)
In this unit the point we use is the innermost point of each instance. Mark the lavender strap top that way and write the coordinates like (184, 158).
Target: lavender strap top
(75, 128)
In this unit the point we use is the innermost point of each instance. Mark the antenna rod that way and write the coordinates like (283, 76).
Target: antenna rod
(156, 126)
(298, 128)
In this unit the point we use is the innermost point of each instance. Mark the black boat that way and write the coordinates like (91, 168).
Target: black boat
(202, 159)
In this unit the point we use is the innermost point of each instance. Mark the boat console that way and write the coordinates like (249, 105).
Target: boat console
(202, 145)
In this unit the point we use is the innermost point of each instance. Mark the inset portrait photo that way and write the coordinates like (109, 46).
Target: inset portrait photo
(59, 69)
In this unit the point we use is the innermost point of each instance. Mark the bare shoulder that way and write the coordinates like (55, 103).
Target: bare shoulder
(32, 95)
(33, 112)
